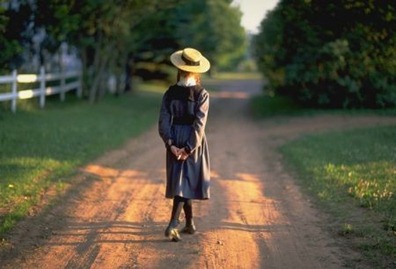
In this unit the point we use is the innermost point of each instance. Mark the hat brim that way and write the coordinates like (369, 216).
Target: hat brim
(177, 61)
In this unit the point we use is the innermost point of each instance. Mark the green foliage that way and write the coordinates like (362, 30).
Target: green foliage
(100, 30)
(340, 54)
(268, 106)
(13, 35)
(40, 148)
(349, 169)
(224, 39)
(110, 34)
(148, 31)
(210, 26)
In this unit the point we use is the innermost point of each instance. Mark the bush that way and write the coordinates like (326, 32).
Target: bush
(339, 55)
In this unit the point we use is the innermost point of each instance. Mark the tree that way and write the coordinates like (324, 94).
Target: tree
(334, 55)
(14, 33)
(109, 34)
(212, 27)
(101, 30)
(268, 50)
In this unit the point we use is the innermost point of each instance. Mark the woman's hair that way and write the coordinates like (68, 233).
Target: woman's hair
(182, 73)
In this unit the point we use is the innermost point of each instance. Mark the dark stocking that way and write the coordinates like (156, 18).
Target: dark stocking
(187, 207)
(178, 203)
(171, 231)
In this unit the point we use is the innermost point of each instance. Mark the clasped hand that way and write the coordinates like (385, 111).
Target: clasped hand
(180, 153)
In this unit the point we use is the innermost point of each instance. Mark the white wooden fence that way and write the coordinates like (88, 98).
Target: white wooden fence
(42, 78)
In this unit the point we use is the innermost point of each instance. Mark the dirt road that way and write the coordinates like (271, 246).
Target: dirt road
(257, 217)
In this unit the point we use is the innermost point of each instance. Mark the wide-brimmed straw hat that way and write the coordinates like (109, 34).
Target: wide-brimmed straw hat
(190, 60)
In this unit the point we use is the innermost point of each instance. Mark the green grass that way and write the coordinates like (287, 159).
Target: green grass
(353, 175)
(350, 174)
(40, 148)
(264, 106)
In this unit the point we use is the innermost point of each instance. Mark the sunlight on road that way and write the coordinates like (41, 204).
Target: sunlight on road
(107, 172)
(246, 219)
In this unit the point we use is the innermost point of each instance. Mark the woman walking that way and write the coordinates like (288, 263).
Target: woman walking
(182, 121)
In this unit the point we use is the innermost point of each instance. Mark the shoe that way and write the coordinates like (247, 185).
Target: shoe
(174, 235)
(189, 229)
(171, 231)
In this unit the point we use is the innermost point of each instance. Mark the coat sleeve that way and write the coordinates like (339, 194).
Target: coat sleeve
(201, 115)
(165, 122)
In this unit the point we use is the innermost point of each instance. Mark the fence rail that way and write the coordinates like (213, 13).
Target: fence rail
(43, 90)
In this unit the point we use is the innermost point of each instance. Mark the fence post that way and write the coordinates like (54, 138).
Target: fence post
(42, 86)
(62, 84)
(14, 91)
(79, 89)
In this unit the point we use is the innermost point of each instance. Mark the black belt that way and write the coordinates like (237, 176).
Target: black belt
(183, 121)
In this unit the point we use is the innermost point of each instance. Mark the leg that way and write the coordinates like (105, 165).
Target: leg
(190, 227)
(178, 204)
(171, 230)
(187, 207)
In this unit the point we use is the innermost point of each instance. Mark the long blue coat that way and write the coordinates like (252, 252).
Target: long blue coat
(182, 121)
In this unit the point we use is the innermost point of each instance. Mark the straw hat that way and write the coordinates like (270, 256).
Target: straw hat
(190, 60)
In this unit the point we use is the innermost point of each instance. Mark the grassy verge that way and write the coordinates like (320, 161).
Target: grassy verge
(351, 174)
(39, 149)
(266, 106)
